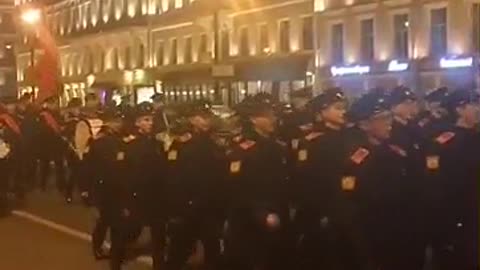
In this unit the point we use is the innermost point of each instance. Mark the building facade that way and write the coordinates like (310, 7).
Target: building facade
(423, 44)
(187, 49)
(8, 82)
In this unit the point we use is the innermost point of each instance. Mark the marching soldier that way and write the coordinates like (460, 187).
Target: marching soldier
(407, 137)
(52, 143)
(27, 112)
(147, 172)
(115, 193)
(403, 105)
(194, 189)
(108, 176)
(320, 159)
(86, 128)
(378, 194)
(451, 190)
(71, 120)
(258, 217)
(434, 118)
(296, 122)
(5, 168)
(10, 153)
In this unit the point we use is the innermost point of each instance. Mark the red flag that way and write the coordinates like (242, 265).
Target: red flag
(47, 66)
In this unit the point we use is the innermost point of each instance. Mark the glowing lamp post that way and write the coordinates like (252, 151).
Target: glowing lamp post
(31, 17)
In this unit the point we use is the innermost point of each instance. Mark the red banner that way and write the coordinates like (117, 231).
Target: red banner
(47, 67)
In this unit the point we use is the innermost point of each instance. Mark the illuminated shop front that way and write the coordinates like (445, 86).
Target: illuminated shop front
(422, 75)
(277, 76)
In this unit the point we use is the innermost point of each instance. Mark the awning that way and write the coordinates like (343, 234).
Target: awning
(281, 68)
(292, 67)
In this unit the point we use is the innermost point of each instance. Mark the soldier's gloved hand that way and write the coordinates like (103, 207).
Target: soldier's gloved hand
(176, 220)
(273, 221)
(324, 222)
(126, 213)
(85, 196)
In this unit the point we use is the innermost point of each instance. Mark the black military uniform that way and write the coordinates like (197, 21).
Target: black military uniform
(15, 137)
(195, 192)
(52, 144)
(258, 217)
(320, 159)
(433, 120)
(10, 154)
(86, 130)
(147, 173)
(296, 122)
(452, 185)
(71, 120)
(377, 193)
(30, 127)
(405, 133)
(114, 195)
(107, 154)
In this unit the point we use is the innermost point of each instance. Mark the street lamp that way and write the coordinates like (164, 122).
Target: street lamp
(31, 17)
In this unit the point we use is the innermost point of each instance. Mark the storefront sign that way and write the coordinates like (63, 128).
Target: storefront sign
(394, 66)
(456, 62)
(340, 71)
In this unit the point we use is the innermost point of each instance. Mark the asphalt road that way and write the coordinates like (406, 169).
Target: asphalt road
(26, 244)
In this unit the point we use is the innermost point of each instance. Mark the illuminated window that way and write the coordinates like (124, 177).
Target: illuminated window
(438, 32)
(86, 15)
(173, 52)
(115, 59)
(337, 43)
(225, 44)
(307, 33)
(401, 28)
(141, 56)
(284, 33)
(101, 59)
(160, 54)
(264, 38)
(244, 42)
(188, 50)
(476, 26)
(368, 39)
(90, 65)
(202, 47)
(128, 57)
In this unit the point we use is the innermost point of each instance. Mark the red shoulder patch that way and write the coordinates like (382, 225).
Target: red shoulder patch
(313, 135)
(445, 137)
(398, 150)
(247, 144)
(359, 156)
